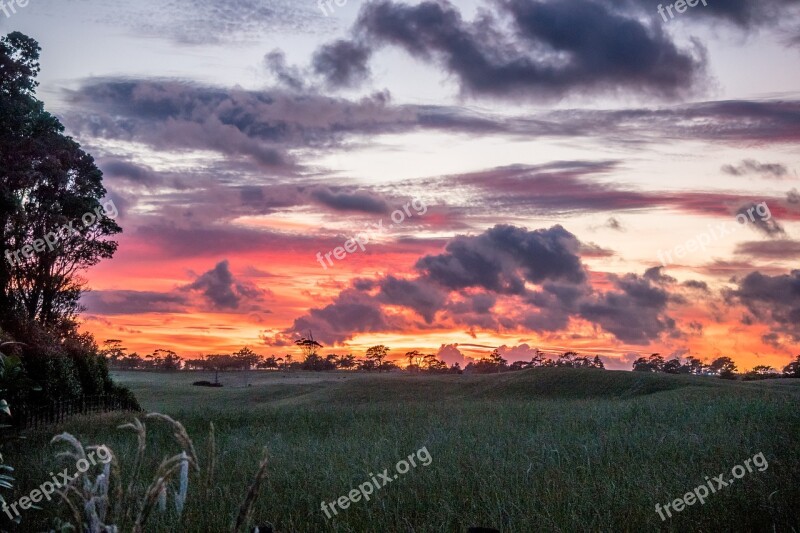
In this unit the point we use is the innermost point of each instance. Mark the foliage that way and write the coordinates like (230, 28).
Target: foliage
(308, 346)
(377, 355)
(792, 370)
(11, 373)
(654, 363)
(46, 181)
(723, 367)
(496, 363)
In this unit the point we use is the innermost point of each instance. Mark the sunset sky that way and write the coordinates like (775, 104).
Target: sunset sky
(546, 157)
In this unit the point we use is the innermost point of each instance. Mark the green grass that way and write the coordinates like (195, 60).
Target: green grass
(543, 450)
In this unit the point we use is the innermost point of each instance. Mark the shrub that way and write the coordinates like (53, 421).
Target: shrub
(206, 384)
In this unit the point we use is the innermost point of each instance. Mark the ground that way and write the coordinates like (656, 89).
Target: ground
(538, 450)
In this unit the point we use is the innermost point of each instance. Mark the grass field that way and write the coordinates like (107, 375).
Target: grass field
(542, 450)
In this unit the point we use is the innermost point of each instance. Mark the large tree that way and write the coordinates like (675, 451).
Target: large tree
(46, 183)
(377, 354)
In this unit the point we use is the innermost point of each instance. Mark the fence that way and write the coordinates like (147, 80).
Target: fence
(32, 417)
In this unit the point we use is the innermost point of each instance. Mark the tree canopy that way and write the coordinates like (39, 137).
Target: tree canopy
(46, 183)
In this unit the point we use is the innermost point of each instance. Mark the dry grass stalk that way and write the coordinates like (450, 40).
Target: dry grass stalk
(212, 459)
(165, 472)
(180, 434)
(246, 509)
(141, 436)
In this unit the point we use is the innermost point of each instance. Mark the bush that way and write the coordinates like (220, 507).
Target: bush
(67, 368)
(206, 384)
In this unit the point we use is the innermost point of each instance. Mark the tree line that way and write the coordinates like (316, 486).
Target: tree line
(376, 359)
(723, 367)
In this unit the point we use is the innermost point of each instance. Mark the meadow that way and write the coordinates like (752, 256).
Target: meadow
(537, 450)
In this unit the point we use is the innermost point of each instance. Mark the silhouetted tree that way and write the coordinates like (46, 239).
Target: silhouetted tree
(654, 363)
(247, 358)
(270, 362)
(694, 366)
(498, 360)
(367, 365)
(164, 360)
(114, 352)
(46, 181)
(760, 372)
(792, 370)
(416, 360)
(378, 354)
(308, 346)
(724, 367)
(346, 362)
(673, 366)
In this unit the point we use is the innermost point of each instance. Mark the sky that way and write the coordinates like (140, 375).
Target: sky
(585, 175)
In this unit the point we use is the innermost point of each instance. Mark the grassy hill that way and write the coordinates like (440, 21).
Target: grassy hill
(540, 450)
(159, 389)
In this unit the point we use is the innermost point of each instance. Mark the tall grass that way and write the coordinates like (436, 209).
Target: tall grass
(548, 450)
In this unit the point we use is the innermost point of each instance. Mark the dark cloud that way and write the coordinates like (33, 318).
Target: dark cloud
(698, 285)
(286, 76)
(772, 339)
(353, 312)
(360, 201)
(759, 217)
(556, 47)
(117, 168)
(594, 250)
(266, 126)
(220, 288)
(634, 313)
(751, 166)
(568, 187)
(260, 125)
(735, 269)
(424, 298)
(504, 258)
(550, 308)
(538, 274)
(742, 13)
(343, 63)
(783, 249)
(133, 302)
(730, 121)
(473, 310)
(615, 224)
(773, 300)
